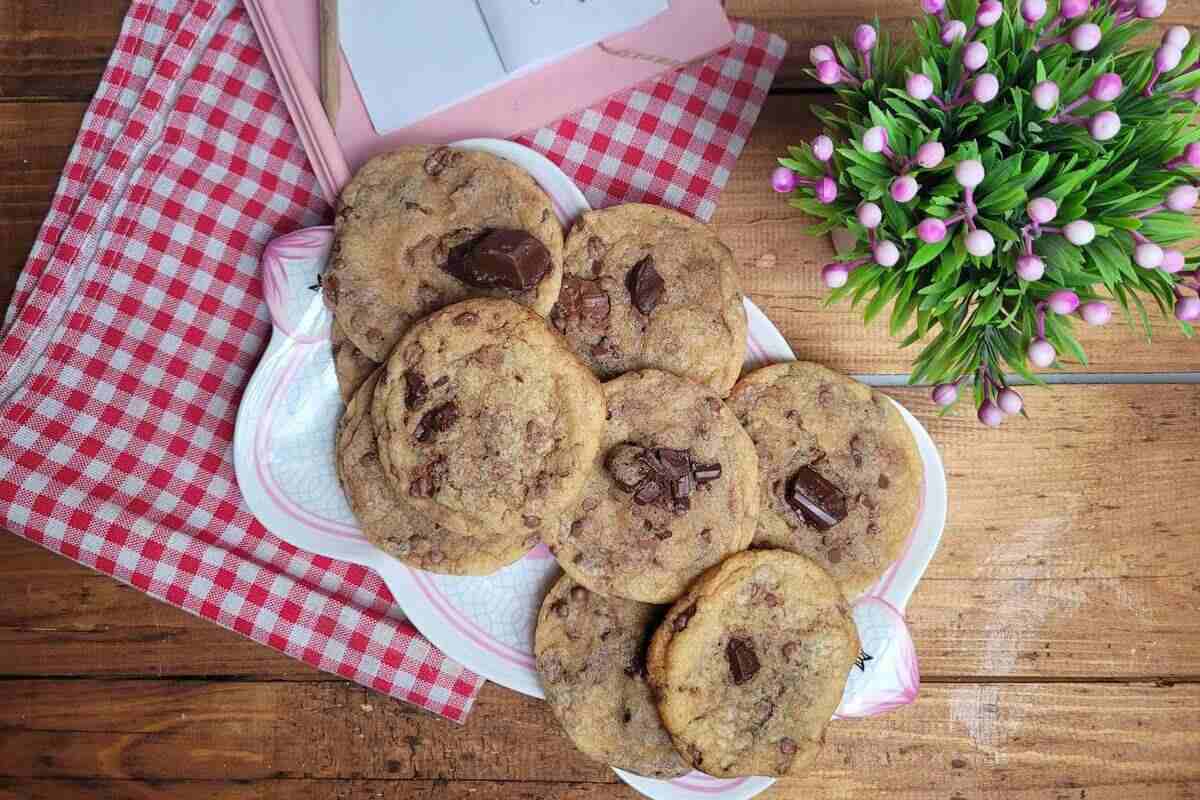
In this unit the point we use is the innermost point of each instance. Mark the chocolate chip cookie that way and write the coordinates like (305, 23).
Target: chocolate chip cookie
(393, 525)
(422, 228)
(645, 286)
(673, 490)
(591, 653)
(841, 474)
(486, 421)
(750, 664)
(350, 365)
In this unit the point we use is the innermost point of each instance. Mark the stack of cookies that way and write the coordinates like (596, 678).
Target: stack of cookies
(508, 383)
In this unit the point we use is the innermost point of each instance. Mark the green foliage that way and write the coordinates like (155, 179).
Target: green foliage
(976, 314)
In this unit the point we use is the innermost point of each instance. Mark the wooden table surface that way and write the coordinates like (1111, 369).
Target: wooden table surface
(1058, 627)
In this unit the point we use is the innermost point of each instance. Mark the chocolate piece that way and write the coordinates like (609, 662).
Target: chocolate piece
(580, 300)
(578, 594)
(438, 420)
(428, 478)
(414, 390)
(531, 522)
(645, 285)
(437, 161)
(706, 473)
(636, 667)
(500, 259)
(647, 492)
(787, 746)
(683, 618)
(466, 319)
(626, 466)
(818, 501)
(743, 662)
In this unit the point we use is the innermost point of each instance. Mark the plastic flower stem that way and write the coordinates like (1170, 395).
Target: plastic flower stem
(1040, 309)
(1064, 113)
(1149, 211)
(969, 205)
(848, 78)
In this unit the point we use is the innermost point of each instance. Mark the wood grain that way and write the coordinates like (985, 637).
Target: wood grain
(1039, 740)
(815, 22)
(55, 49)
(1047, 569)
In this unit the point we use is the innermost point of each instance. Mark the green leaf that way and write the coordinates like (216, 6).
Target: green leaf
(987, 310)
(927, 253)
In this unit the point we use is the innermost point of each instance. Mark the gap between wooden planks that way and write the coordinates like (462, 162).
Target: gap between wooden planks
(779, 265)
(981, 741)
(1069, 554)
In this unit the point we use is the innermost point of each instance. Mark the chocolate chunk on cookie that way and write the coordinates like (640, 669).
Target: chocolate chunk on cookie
(673, 490)
(390, 522)
(591, 653)
(421, 228)
(750, 664)
(840, 472)
(489, 425)
(645, 286)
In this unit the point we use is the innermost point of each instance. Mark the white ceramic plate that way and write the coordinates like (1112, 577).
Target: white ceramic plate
(283, 456)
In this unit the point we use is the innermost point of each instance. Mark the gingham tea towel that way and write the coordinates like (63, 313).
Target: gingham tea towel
(140, 316)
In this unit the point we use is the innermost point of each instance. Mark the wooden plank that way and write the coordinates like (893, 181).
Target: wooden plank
(780, 270)
(289, 789)
(35, 139)
(56, 49)
(815, 22)
(1068, 554)
(981, 740)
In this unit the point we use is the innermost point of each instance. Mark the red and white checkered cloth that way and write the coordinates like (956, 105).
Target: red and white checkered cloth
(140, 316)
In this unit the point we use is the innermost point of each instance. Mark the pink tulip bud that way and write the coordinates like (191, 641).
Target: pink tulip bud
(820, 53)
(826, 190)
(945, 394)
(1064, 301)
(1195, 96)
(974, 55)
(952, 31)
(1148, 255)
(1173, 261)
(1095, 313)
(1104, 126)
(905, 188)
(985, 87)
(1073, 9)
(870, 215)
(828, 72)
(835, 275)
(1080, 232)
(1086, 37)
(875, 139)
(1045, 95)
(1151, 9)
(980, 243)
(1041, 353)
(931, 230)
(1042, 210)
(864, 38)
(990, 414)
(886, 254)
(969, 173)
(1177, 36)
(783, 180)
(919, 86)
(1187, 309)
(1183, 198)
(1030, 268)
(1107, 87)
(1167, 57)
(933, 6)
(1033, 10)
(1010, 401)
(931, 154)
(822, 148)
(989, 13)
(1191, 155)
